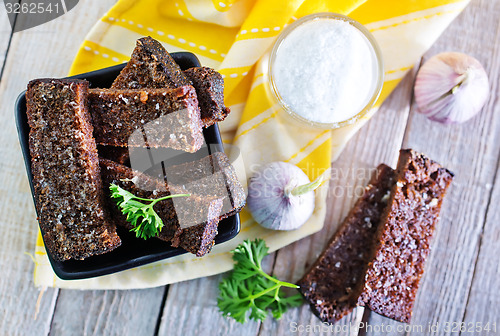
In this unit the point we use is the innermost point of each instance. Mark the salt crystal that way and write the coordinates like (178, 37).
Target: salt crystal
(368, 222)
(325, 70)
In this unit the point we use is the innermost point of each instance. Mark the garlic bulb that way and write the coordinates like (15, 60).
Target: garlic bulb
(281, 197)
(451, 87)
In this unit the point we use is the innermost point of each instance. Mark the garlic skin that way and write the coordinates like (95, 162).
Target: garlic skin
(451, 87)
(281, 197)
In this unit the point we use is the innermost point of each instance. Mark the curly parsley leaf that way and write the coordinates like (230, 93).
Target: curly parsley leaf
(144, 219)
(249, 288)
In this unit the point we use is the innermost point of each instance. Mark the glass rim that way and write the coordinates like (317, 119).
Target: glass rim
(379, 62)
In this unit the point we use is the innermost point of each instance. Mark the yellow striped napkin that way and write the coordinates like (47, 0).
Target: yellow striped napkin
(234, 36)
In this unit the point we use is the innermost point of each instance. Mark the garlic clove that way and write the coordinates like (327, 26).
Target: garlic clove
(269, 211)
(451, 87)
(476, 86)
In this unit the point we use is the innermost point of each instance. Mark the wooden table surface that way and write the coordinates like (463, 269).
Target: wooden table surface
(462, 278)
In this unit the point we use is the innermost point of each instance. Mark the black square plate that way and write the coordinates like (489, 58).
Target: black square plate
(133, 252)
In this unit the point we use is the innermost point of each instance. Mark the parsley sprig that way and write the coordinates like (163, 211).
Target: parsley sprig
(144, 219)
(250, 288)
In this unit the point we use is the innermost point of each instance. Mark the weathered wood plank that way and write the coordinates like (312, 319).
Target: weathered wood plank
(191, 306)
(46, 50)
(470, 150)
(191, 309)
(483, 305)
(377, 142)
(5, 36)
(131, 312)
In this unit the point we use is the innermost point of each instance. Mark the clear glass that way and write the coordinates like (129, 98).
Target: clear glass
(379, 77)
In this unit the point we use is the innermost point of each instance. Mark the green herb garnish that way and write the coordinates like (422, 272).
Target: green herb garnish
(144, 219)
(249, 288)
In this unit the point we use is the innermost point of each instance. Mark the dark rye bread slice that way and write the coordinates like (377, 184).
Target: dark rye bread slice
(210, 175)
(189, 222)
(65, 167)
(404, 236)
(335, 281)
(209, 86)
(147, 117)
(150, 66)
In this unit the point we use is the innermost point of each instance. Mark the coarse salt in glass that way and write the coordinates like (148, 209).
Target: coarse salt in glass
(326, 70)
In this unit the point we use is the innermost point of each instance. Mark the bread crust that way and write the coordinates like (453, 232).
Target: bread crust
(209, 86)
(150, 66)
